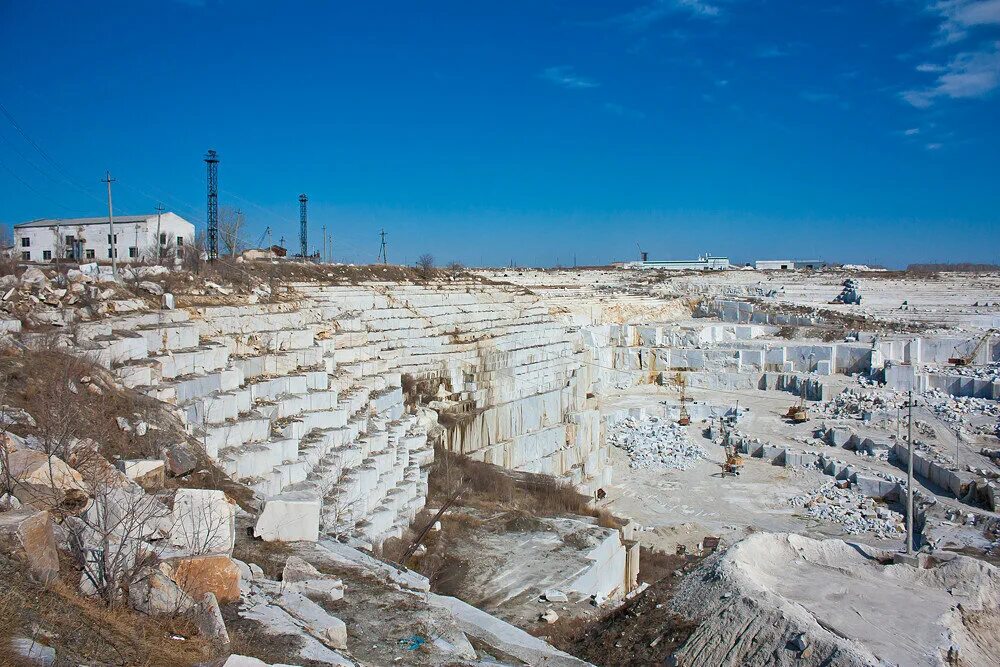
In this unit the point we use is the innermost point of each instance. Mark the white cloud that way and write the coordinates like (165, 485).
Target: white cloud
(656, 11)
(961, 15)
(624, 112)
(564, 76)
(928, 67)
(934, 147)
(968, 75)
(912, 131)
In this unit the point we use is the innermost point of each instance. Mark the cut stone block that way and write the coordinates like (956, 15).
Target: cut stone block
(208, 619)
(204, 521)
(290, 517)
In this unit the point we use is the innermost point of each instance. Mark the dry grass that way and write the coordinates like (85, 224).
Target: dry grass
(83, 631)
(489, 487)
(52, 386)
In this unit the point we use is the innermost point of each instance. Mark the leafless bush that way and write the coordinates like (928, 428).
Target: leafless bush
(231, 229)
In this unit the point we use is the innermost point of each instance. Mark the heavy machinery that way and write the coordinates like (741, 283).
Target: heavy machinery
(798, 413)
(733, 462)
(683, 418)
(971, 356)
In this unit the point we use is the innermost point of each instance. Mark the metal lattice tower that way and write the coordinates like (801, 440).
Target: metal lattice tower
(303, 232)
(212, 160)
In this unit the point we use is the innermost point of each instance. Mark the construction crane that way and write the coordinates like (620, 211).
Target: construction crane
(643, 255)
(971, 356)
(267, 233)
(683, 417)
(798, 413)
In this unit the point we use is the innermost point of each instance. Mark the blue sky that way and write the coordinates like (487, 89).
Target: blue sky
(537, 131)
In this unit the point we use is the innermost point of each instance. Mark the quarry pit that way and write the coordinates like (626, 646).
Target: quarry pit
(498, 466)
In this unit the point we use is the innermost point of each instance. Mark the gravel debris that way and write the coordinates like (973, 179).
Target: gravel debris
(652, 442)
(852, 509)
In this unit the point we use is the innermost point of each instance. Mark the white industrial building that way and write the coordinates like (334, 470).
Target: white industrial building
(703, 263)
(136, 237)
(787, 264)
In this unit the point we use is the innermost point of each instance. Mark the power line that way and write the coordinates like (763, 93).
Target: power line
(31, 188)
(66, 177)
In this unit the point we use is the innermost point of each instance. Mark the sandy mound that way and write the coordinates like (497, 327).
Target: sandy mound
(756, 599)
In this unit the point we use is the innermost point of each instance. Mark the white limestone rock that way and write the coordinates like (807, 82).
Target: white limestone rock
(204, 521)
(290, 517)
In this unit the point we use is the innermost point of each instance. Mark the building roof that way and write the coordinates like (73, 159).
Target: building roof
(74, 222)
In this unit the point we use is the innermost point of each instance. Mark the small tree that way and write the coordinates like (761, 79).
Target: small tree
(426, 264)
(231, 228)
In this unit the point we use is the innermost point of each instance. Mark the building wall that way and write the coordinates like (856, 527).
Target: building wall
(134, 240)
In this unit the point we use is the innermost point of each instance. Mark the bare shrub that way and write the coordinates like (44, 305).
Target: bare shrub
(232, 227)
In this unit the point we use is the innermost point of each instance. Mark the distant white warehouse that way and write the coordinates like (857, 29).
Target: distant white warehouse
(787, 264)
(703, 263)
(137, 237)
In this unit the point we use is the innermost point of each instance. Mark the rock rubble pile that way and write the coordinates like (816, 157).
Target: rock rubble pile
(852, 509)
(652, 442)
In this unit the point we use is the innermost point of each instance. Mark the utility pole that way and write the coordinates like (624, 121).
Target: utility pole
(382, 251)
(909, 474)
(324, 244)
(111, 226)
(159, 246)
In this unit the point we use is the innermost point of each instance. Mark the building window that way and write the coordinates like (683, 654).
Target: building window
(90, 253)
(180, 241)
(46, 254)
(133, 252)
(180, 252)
(114, 250)
(69, 254)
(163, 238)
(109, 239)
(25, 242)
(26, 255)
(69, 239)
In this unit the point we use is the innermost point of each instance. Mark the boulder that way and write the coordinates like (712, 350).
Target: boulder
(27, 535)
(323, 626)
(32, 653)
(33, 276)
(154, 593)
(300, 576)
(555, 596)
(208, 619)
(289, 517)
(204, 521)
(153, 288)
(180, 459)
(208, 574)
(47, 482)
(147, 473)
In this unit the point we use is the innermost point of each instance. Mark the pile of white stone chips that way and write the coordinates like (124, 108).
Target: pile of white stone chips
(653, 442)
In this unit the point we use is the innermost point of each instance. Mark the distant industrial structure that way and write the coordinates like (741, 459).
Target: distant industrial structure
(788, 264)
(303, 228)
(136, 237)
(705, 262)
(212, 223)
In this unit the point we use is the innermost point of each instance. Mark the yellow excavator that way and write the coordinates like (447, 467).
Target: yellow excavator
(971, 356)
(733, 462)
(798, 413)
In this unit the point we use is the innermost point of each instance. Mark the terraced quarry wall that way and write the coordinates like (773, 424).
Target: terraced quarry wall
(302, 399)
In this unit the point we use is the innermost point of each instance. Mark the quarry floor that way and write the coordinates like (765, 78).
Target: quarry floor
(683, 506)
